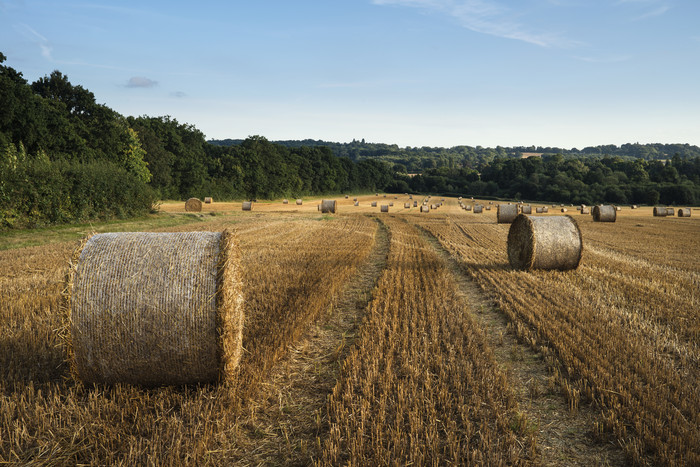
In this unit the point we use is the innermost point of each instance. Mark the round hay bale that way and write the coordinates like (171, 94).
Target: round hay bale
(285, 201)
(544, 242)
(347, 196)
(659, 211)
(354, 199)
(374, 204)
(299, 202)
(415, 204)
(604, 213)
(391, 205)
(564, 210)
(526, 209)
(208, 200)
(468, 207)
(357, 203)
(539, 210)
(684, 212)
(384, 208)
(670, 212)
(545, 209)
(407, 205)
(585, 210)
(634, 206)
(155, 308)
(488, 208)
(433, 206)
(478, 209)
(618, 208)
(506, 213)
(329, 206)
(193, 205)
(247, 205)
(424, 209)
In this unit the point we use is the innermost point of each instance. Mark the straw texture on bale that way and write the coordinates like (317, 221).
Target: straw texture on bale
(526, 209)
(424, 209)
(155, 308)
(208, 200)
(374, 204)
(684, 212)
(659, 211)
(247, 205)
(670, 212)
(299, 202)
(604, 213)
(193, 205)
(385, 208)
(478, 209)
(544, 242)
(506, 213)
(328, 205)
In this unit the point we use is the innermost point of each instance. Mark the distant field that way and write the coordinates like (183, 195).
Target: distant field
(385, 338)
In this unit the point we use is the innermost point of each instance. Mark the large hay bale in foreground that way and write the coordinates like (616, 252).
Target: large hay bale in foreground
(247, 205)
(155, 308)
(328, 206)
(384, 208)
(604, 213)
(506, 213)
(684, 212)
(659, 211)
(544, 242)
(193, 205)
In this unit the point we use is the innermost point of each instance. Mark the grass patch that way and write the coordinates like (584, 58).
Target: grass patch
(41, 236)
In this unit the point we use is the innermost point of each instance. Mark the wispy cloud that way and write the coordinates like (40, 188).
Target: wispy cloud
(655, 12)
(141, 82)
(43, 43)
(609, 59)
(178, 94)
(486, 17)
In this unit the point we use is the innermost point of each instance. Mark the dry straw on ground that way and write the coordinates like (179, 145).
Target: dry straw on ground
(329, 206)
(544, 242)
(604, 213)
(247, 205)
(506, 213)
(193, 205)
(155, 308)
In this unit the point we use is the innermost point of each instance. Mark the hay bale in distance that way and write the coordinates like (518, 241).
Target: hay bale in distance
(659, 211)
(478, 209)
(384, 208)
(193, 205)
(299, 202)
(347, 196)
(604, 213)
(544, 242)
(545, 209)
(424, 208)
(564, 210)
(506, 213)
(407, 205)
(329, 206)
(488, 208)
(670, 212)
(526, 209)
(684, 212)
(357, 203)
(374, 204)
(285, 201)
(131, 322)
(208, 200)
(585, 210)
(468, 207)
(415, 204)
(247, 206)
(539, 210)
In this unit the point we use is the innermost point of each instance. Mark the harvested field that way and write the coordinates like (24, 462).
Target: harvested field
(399, 338)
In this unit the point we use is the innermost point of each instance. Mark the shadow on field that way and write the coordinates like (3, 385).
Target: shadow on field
(27, 358)
(488, 267)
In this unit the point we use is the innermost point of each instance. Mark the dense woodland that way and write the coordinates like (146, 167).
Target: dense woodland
(66, 158)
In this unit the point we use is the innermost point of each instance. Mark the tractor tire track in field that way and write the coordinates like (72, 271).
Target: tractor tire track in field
(564, 437)
(288, 421)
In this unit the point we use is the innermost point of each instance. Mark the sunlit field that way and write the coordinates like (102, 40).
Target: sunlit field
(384, 338)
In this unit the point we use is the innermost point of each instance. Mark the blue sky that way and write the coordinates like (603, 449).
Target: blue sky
(566, 73)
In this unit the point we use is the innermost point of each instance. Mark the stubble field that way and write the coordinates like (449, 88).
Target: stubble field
(385, 339)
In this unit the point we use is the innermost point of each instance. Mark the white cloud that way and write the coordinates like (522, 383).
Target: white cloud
(485, 17)
(650, 14)
(141, 82)
(43, 43)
